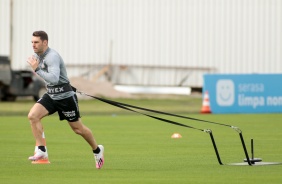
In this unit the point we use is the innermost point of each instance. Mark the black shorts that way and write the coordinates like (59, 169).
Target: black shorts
(67, 108)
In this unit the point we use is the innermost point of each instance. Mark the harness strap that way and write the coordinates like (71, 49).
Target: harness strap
(62, 88)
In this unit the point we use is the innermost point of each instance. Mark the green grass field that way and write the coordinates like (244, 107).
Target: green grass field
(139, 149)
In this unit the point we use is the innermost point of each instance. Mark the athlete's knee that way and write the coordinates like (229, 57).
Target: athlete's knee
(36, 113)
(78, 131)
(33, 117)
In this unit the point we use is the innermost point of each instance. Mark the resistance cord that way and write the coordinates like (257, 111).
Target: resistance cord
(132, 107)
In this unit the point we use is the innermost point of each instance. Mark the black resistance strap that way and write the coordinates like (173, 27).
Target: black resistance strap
(129, 108)
(132, 107)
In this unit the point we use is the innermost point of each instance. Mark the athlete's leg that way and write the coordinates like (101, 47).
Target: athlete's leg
(36, 113)
(79, 128)
(86, 133)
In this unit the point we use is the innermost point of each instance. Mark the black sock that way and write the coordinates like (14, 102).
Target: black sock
(97, 150)
(42, 148)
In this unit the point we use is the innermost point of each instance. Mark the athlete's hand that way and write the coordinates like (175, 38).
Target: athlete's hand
(33, 62)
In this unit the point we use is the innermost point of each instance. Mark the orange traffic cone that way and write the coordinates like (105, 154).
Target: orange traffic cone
(44, 160)
(206, 104)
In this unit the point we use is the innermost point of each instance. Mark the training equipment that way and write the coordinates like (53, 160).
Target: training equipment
(253, 160)
(247, 161)
(209, 131)
(176, 136)
(99, 158)
(206, 104)
(40, 157)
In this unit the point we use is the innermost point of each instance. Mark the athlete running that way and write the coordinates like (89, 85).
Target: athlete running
(60, 97)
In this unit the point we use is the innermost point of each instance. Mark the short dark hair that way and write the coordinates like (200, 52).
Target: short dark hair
(42, 34)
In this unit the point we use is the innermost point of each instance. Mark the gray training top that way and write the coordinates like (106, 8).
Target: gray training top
(52, 69)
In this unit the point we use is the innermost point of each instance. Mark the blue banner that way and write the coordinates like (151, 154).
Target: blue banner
(244, 93)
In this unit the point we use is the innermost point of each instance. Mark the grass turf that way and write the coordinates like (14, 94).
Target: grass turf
(139, 149)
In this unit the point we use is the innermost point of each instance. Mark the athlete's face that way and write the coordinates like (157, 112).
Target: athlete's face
(38, 45)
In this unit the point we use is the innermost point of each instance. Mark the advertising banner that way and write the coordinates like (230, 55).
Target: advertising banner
(244, 93)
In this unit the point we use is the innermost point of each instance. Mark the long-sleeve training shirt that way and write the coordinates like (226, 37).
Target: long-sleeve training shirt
(52, 69)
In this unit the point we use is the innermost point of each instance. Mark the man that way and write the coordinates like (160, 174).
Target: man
(60, 97)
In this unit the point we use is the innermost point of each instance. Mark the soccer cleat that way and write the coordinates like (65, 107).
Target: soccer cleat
(99, 158)
(38, 155)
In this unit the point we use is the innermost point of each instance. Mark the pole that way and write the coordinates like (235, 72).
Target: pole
(11, 29)
(252, 148)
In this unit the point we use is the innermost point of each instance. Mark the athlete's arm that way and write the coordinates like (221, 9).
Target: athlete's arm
(53, 74)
